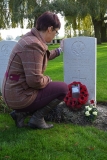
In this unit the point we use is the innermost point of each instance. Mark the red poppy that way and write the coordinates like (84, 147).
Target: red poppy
(76, 103)
(92, 101)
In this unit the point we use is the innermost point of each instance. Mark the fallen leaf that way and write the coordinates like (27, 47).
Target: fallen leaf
(91, 148)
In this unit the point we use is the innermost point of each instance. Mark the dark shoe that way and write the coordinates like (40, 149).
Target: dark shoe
(19, 118)
(37, 120)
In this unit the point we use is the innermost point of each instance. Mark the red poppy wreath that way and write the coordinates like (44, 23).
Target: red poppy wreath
(73, 102)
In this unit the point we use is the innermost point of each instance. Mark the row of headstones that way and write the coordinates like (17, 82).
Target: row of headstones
(79, 61)
(56, 41)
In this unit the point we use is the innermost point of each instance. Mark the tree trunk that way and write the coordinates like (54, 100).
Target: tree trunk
(103, 34)
(97, 30)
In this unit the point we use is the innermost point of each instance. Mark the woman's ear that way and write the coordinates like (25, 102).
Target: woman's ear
(50, 29)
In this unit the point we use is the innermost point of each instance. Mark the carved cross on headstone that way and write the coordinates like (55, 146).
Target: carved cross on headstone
(78, 77)
(5, 50)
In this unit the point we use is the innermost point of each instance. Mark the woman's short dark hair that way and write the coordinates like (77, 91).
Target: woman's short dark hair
(46, 20)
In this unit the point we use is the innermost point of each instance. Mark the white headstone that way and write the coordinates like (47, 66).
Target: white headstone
(80, 62)
(5, 51)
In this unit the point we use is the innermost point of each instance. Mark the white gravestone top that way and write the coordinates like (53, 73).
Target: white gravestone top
(80, 62)
(5, 51)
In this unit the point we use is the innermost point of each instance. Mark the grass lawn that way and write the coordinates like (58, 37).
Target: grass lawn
(64, 141)
(102, 73)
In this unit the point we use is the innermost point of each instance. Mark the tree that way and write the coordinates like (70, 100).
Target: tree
(68, 30)
(80, 9)
(12, 16)
(87, 26)
(97, 10)
(4, 14)
(78, 26)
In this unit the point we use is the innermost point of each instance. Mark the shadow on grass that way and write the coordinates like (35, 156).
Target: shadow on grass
(9, 132)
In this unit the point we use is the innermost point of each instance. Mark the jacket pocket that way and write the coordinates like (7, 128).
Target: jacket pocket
(14, 77)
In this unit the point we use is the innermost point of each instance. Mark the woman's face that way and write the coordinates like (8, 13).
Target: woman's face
(51, 33)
